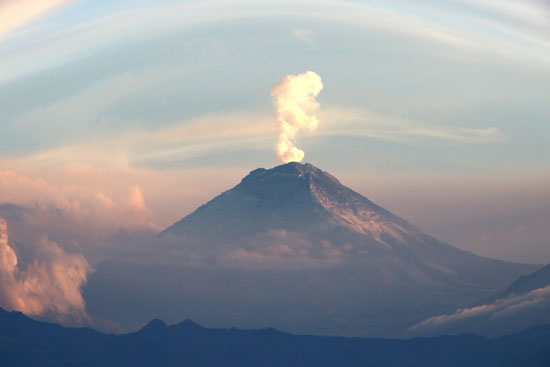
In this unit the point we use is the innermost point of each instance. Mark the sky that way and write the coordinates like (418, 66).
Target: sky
(133, 113)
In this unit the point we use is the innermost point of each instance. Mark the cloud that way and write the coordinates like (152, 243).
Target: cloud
(15, 13)
(235, 129)
(81, 202)
(295, 106)
(50, 283)
(282, 249)
(54, 46)
(356, 122)
(527, 13)
(497, 311)
(137, 148)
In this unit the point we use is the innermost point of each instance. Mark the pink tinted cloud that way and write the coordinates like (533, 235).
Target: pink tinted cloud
(50, 283)
(283, 249)
(16, 13)
(80, 202)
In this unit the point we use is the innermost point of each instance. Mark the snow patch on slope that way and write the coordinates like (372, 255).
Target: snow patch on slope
(356, 217)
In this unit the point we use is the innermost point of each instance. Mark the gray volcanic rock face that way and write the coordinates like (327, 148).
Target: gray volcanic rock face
(294, 198)
(293, 248)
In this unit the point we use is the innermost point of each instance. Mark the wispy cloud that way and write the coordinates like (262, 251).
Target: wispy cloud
(473, 34)
(530, 13)
(355, 122)
(16, 13)
(500, 308)
(245, 129)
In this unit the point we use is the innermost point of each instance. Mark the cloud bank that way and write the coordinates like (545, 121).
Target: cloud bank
(295, 105)
(50, 283)
(84, 203)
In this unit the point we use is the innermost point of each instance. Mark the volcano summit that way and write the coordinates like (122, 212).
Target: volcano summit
(295, 198)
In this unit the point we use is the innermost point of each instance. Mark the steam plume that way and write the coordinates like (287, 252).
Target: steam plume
(51, 283)
(295, 106)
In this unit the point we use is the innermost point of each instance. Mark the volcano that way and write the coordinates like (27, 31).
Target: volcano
(300, 203)
(384, 270)
(292, 248)
(296, 198)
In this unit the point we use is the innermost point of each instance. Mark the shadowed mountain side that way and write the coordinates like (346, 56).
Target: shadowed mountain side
(25, 342)
(527, 283)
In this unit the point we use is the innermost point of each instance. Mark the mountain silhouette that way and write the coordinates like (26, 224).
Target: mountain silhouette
(538, 279)
(25, 342)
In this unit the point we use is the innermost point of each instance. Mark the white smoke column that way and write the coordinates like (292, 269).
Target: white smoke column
(51, 283)
(295, 106)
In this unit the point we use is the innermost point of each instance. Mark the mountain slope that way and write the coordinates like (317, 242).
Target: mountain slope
(293, 197)
(25, 342)
(527, 283)
(295, 202)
